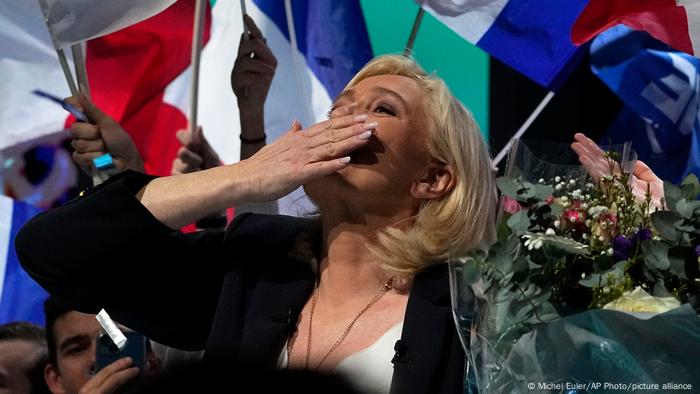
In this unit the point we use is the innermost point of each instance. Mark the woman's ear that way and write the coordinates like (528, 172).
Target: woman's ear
(437, 181)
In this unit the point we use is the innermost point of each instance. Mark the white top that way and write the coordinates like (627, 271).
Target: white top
(370, 369)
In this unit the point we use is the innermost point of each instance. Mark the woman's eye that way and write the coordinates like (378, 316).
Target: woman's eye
(384, 109)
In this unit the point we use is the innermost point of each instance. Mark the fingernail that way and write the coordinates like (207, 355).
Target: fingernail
(366, 135)
(360, 118)
(370, 126)
(345, 159)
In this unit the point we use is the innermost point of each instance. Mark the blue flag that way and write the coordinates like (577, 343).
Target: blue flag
(660, 88)
(531, 36)
(331, 35)
(21, 299)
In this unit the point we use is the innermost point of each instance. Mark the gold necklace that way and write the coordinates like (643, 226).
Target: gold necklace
(385, 289)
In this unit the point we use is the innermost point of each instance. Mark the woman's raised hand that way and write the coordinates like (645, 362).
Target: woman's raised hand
(593, 159)
(300, 156)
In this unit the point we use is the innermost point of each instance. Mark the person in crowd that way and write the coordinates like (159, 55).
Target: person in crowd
(22, 358)
(71, 337)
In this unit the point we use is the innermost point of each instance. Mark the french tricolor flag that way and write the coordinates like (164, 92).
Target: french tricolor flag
(20, 297)
(531, 36)
(675, 22)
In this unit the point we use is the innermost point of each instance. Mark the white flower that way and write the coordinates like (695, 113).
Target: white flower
(601, 238)
(557, 187)
(564, 198)
(557, 179)
(532, 241)
(541, 180)
(550, 231)
(639, 300)
(571, 181)
(584, 236)
(557, 223)
(610, 251)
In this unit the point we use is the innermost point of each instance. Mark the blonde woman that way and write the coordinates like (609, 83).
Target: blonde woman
(400, 174)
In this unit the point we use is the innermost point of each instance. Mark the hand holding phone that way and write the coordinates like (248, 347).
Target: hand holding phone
(106, 352)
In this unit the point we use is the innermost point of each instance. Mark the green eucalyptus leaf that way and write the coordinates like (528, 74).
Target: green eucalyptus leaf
(601, 279)
(690, 187)
(672, 194)
(543, 191)
(682, 226)
(656, 254)
(506, 279)
(526, 192)
(509, 186)
(664, 223)
(469, 273)
(687, 208)
(684, 261)
(519, 222)
(567, 245)
(660, 289)
(544, 313)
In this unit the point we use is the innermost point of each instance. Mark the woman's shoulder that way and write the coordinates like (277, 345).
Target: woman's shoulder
(271, 230)
(272, 239)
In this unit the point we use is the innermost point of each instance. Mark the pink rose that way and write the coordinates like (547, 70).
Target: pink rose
(511, 206)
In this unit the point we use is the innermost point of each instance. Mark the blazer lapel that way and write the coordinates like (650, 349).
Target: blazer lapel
(423, 352)
(272, 317)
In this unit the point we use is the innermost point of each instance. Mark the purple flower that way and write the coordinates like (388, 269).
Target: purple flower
(621, 247)
(643, 234)
(697, 250)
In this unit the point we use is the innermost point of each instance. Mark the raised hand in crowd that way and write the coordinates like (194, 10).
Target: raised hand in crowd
(592, 157)
(111, 378)
(195, 154)
(251, 79)
(102, 135)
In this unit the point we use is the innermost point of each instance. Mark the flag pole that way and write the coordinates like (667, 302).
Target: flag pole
(80, 68)
(526, 125)
(200, 9)
(414, 32)
(59, 51)
(295, 61)
(243, 12)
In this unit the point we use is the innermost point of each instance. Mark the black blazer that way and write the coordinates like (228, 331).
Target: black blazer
(236, 293)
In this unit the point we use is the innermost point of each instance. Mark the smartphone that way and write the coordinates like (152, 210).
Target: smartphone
(106, 352)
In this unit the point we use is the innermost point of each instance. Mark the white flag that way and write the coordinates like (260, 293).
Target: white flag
(73, 21)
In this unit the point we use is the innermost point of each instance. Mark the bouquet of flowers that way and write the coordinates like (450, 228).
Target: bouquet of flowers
(589, 287)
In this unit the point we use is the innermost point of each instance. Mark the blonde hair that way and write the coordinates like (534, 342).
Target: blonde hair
(463, 219)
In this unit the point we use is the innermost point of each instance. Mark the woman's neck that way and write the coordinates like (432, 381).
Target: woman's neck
(347, 266)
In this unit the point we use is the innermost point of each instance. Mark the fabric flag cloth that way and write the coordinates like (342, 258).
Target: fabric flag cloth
(531, 36)
(74, 21)
(129, 71)
(36, 165)
(660, 88)
(333, 45)
(28, 61)
(675, 22)
(21, 299)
